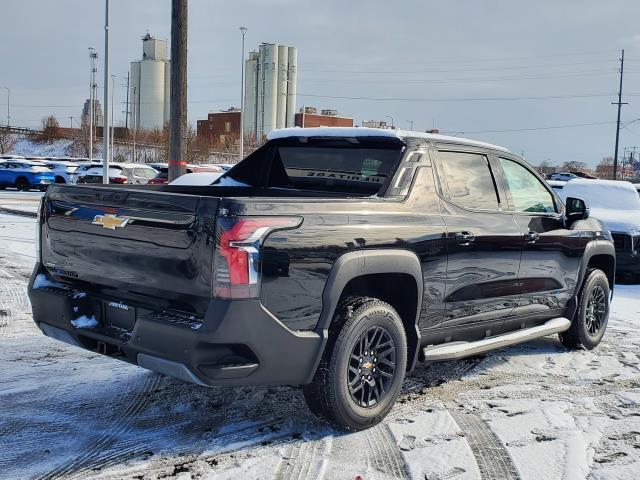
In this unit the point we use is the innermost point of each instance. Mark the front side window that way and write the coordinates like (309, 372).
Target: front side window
(469, 180)
(527, 192)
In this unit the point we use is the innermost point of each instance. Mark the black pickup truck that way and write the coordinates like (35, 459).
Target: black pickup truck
(329, 258)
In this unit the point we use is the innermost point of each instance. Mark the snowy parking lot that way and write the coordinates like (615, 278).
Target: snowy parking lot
(535, 411)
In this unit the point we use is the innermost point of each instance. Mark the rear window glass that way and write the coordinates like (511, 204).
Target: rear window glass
(356, 170)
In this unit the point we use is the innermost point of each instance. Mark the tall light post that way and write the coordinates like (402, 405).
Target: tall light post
(392, 122)
(113, 89)
(8, 106)
(243, 30)
(107, 74)
(92, 89)
(410, 124)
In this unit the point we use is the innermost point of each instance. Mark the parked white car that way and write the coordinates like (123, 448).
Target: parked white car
(63, 170)
(617, 205)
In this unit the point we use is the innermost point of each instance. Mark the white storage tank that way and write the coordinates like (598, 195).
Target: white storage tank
(292, 86)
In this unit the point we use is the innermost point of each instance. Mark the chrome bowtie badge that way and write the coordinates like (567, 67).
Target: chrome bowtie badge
(110, 221)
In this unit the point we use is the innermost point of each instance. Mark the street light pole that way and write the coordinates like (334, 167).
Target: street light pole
(92, 88)
(243, 30)
(8, 106)
(113, 89)
(410, 125)
(105, 122)
(392, 122)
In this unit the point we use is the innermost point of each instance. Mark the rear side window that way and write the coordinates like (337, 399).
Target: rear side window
(527, 192)
(469, 180)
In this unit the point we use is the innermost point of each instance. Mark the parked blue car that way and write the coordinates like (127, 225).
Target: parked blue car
(25, 175)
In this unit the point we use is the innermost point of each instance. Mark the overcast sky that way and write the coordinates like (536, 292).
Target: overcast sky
(424, 61)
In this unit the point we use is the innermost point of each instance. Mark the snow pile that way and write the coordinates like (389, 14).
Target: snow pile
(85, 322)
(197, 179)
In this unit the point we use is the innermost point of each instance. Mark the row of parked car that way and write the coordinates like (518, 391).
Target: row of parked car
(31, 173)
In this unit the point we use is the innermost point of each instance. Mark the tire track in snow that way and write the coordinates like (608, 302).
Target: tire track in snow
(491, 455)
(305, 460)
(92, 458)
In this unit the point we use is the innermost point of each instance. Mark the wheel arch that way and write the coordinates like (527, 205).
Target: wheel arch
(391, 275)
(599, 254)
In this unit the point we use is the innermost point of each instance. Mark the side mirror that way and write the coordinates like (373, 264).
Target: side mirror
(577, 209)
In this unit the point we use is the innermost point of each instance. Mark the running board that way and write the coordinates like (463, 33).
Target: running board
(456, 350)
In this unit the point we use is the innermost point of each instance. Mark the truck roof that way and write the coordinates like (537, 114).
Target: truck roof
(373, 132)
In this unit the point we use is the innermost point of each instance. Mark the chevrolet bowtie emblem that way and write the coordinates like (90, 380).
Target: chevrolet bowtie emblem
(110, 221)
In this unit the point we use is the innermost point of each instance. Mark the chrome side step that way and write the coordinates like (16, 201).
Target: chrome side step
(456, 350)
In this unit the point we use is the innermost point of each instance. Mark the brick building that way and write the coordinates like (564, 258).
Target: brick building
(220, 128)
(308, 117)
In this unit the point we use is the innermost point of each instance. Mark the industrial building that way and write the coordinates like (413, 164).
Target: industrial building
(220, 128)
(149, 85)
(86, 113)
(308, 117)
(270, 89)
(375, 124)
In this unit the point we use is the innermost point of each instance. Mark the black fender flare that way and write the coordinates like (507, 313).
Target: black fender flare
(366, 262)
(594, 247)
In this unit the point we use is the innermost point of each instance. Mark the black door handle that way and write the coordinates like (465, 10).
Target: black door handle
(531, 237)
(465, 238)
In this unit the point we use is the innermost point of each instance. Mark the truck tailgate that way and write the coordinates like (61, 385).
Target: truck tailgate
(135, 241)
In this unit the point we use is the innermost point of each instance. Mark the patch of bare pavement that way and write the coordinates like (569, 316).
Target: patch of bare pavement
(531, 411)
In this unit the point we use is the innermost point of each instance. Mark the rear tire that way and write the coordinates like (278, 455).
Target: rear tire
(363, 366)
(592, 315)
(22, 184)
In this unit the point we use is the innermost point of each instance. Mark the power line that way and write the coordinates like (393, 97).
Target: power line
(456, 70)
(531, 129)
(467, 99)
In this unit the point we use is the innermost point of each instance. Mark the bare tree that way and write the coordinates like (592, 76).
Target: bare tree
(50, 129)
(574, 166)
(8, 140)
(80, 145)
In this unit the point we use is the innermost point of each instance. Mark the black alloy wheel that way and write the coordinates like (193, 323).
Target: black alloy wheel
(596, 310)
(371, 367)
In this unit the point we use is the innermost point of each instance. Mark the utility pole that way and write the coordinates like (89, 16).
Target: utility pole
(410, 125)
(92, 88)
(178, 103)
(105, 122)
(243, 30)
(619, 103)
(126, 114)
(71, 122)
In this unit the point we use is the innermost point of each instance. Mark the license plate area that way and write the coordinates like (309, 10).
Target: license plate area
(119, 315)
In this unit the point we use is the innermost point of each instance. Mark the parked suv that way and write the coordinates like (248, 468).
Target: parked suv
(617, 205)
(332, 258)
(63, 170)
(25, 175)
(119, 173)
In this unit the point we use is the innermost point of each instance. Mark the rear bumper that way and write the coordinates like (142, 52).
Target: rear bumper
(235, 343)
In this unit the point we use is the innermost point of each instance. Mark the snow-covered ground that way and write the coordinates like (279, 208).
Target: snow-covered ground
(535, 411)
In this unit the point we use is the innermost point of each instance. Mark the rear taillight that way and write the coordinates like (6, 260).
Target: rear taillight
(117, 179)
(237, 253)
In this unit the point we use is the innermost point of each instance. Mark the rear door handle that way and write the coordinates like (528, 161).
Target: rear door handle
(531, 237)
(465, 238)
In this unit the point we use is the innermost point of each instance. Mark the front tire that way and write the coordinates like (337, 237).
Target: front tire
(22, 184)
(592, 315)
(362, 369)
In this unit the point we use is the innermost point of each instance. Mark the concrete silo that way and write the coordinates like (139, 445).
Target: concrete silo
(269, 89)
(149, 85)
(292, 86)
